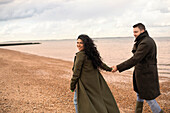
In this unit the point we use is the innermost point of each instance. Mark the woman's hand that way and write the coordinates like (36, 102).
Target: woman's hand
(114, 68)
(72, 90)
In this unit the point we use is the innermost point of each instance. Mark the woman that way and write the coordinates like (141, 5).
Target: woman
(92, 93)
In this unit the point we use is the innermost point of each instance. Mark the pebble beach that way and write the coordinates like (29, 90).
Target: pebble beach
(36, 84)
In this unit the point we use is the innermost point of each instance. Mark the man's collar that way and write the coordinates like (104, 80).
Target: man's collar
(141, 36)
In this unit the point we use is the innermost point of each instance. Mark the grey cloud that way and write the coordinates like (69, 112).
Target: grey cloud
(164, 10)
(159, 25)
(17, 14)
(89, 10)
(159, 5)
(62, 10)
(5, 1)
(24, 10)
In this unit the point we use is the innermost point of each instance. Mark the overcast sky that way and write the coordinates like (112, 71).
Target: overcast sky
(66, 19)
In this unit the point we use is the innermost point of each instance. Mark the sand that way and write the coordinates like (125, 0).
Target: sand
(36, 84)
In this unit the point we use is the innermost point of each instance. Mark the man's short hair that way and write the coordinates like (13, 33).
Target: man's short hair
(140, 26)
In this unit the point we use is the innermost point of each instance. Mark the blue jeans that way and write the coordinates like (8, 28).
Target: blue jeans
(152, 103)
(75, 101)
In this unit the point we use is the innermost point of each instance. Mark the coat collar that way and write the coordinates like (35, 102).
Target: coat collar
(80, 52)
(139, 39)
(142, 36)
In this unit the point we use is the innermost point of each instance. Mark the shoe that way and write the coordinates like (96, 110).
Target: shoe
(139, 107)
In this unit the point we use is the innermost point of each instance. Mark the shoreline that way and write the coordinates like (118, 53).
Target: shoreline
(32, 83)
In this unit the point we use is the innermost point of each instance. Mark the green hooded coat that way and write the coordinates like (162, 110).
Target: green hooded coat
(93, 93)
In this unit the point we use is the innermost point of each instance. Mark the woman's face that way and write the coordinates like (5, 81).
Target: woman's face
(80, 45)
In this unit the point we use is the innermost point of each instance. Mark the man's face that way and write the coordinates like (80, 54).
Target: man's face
(137, 32)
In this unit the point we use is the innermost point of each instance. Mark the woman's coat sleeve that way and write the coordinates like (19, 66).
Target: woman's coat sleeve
(78, 64)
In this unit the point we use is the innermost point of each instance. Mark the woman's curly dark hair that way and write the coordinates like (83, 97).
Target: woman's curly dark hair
(91, 50)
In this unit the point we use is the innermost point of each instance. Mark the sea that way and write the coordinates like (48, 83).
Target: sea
(113, 50)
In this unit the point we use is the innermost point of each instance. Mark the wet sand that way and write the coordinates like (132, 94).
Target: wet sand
(36, 84)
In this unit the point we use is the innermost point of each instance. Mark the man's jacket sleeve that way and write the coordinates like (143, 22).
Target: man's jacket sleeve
(142, 50)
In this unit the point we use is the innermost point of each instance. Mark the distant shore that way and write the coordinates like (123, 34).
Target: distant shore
(31, 83)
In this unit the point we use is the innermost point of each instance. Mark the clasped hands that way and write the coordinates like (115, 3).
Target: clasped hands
(114, 68)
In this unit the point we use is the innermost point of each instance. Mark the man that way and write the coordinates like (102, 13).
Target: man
(145, 75)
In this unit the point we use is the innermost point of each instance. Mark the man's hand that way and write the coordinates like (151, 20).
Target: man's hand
(114, 68)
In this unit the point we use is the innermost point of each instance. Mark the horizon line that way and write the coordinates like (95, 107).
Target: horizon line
(76, 38)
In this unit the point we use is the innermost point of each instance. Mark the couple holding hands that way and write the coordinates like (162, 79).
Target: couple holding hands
(91, 92)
